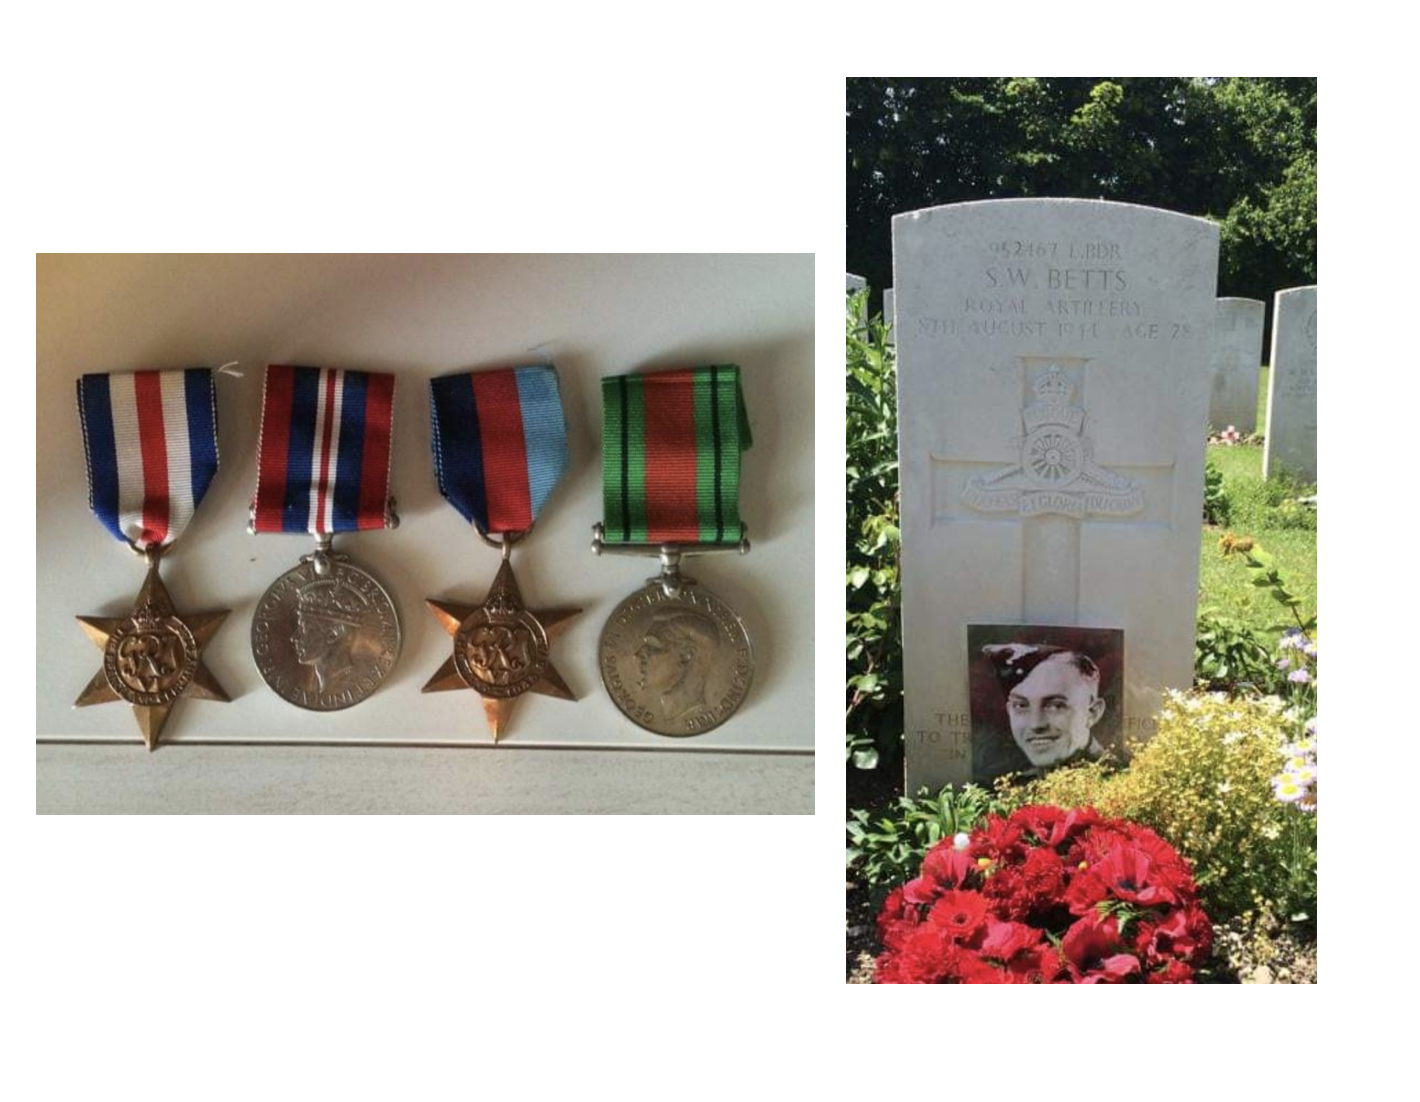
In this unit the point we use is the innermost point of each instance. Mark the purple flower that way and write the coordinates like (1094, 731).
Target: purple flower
(1284, 663)
(1301, 677)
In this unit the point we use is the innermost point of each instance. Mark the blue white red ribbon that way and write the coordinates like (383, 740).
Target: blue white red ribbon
(323, 463)
(500, 444)
(150, 443)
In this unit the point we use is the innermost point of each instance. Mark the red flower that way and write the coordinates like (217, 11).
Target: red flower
(944, 867)
(1128, 874)
(961, 913)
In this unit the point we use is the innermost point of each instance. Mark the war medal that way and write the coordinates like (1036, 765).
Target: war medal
(326, 634)
(674, 657)
(500, 446)
(150, 445)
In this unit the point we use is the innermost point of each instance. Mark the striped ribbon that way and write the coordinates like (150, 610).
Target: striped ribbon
(500, 444)
(671, 444)
(150, 445)
(323, 463)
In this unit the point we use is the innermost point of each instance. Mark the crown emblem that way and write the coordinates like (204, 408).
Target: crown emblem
(501, 605)
(1053, 386)
(333, 602)
(1052, 403)
(147, 617)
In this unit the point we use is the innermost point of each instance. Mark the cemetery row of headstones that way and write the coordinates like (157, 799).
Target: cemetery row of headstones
(1057, 367)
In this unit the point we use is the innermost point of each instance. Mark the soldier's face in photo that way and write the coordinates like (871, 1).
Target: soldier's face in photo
(1052, 711)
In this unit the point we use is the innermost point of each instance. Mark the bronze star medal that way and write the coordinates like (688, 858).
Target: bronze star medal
(152, 656)
(500, 649)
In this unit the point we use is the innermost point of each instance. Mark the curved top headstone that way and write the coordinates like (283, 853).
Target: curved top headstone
(1291, 387)
(1054, 363)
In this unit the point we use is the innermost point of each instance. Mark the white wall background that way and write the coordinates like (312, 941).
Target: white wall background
(419, 316)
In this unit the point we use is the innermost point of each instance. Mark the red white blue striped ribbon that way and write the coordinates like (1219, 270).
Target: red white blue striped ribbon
(150, 445)
(323, 463)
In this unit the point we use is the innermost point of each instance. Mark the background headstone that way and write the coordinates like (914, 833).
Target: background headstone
(1291, 386)
(1236, 362)
(858, 283)
(887, 316)
(1053, 377)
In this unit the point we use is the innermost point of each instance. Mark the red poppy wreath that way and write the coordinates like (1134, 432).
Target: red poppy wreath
(1046, 896)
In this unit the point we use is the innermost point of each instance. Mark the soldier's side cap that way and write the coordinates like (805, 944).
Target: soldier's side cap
(1014, 661)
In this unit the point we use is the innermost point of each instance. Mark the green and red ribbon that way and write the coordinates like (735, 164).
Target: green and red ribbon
(671, 443)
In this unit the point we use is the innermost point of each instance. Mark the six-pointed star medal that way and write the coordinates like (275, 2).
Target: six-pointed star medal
(152, 656)
(500, 649)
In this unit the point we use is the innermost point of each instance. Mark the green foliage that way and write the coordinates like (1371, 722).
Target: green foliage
(887, 850)
(874, 711)
(1216, 507)
(1204, 782)
(1232, 657)
(1258, 504)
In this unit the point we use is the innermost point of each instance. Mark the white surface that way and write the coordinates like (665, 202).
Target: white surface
(984, 307)
(1236, 362)
(189, 779)
(1291, 386)
(420, 316)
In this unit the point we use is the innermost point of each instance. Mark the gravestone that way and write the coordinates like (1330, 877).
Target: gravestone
(1236, 362)
(857, 283)
(888, 318)
(1291, 387)
(1053, 376)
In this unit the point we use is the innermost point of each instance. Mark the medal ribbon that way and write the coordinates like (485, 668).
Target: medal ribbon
(150, 445)
(323, 462)
(500, 444)
(671, 443)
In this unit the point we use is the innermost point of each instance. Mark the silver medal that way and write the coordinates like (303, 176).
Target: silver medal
(326, 634)
(674, 657)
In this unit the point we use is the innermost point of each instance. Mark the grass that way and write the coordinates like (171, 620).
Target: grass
(1269, 513)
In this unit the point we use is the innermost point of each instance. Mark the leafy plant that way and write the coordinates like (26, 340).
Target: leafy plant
(1259, 504)
(1266, 576)
(1230, 656)
(1216, 506)
(874, 654)
(888, 850)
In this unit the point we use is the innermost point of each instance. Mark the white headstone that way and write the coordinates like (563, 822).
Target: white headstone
(855, 283)
(888, 319)
(1053, 374)
(1236, 362)
(1291, 387)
